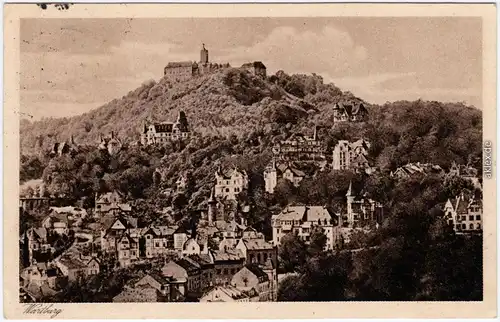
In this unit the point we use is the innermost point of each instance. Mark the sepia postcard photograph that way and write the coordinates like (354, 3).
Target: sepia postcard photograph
(246, 161)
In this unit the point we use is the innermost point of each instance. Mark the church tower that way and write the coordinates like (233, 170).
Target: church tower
(350, 200)
(204, 55)
(212, 209)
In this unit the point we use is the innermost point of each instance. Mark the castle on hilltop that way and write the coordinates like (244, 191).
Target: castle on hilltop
(184, 70)
(179, 71)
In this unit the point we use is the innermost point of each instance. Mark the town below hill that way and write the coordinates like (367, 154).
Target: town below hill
(213, 182)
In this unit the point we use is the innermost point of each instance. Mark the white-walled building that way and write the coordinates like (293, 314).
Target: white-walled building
(161, 133)
(230, 183)
(465, 214)
(351, 156)
(301, 220)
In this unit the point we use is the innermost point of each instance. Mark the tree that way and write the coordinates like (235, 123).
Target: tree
(292, 252)
(318, 241)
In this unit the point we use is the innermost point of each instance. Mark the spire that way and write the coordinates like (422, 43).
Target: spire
(315, 136)
(72, 140)
(212, 197)
(349, 191)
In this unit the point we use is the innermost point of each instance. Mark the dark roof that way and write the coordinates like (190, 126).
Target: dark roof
(284, 166)
(257, 271)
(202, 262)
(187, 265)
(180, 64)
(350, 109)
(159, 278)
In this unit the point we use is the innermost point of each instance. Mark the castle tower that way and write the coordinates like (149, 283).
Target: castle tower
(212, 208)
(204, 55)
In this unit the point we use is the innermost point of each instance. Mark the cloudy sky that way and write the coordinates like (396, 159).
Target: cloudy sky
(70, 66)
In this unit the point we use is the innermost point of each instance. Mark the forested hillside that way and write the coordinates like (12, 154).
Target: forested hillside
(249, 114)
(236, 118)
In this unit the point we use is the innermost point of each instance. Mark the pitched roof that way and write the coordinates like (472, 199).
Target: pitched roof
(257, 244)
(71, 262)
(173, 270)
(39, 291)
(350, 108)
(257, 271)
(162, 280)
(138, 294)
(40, 232)
(304, 213)
(282, 167)
(106, 197)
(70, 210)
(229, 173)
(190, 267)
(228, 290)
(180, 64)
(227, 255)
(202, 261)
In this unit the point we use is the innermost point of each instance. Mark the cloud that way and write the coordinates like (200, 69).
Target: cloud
(378, 89)
(287, 48)
(77, 80)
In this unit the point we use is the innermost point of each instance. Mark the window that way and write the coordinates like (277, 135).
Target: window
(478, 226)
(218, 271)
(471, 217)
(458, 226)
(225, 272)
(478, 217)
(464, 226)
(227, 189)
(471, 226)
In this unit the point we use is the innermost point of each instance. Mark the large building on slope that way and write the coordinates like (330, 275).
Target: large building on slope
(343, 112)
(228, 184)
(299, 147)
(302, 220)
(351, 156)
(184, 70)
(161, 133)
(465, 214)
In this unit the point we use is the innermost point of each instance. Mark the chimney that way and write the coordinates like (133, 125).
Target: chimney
(315, 136)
